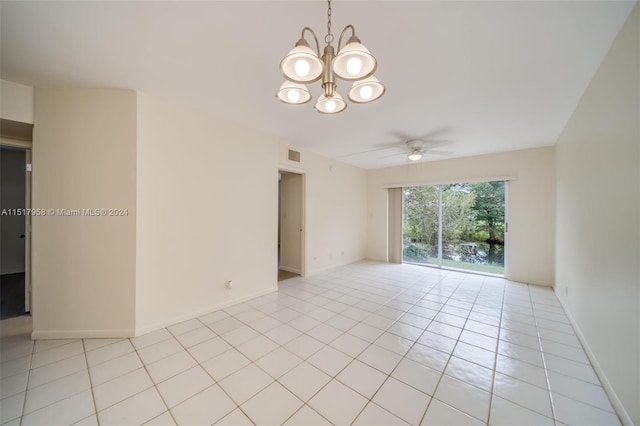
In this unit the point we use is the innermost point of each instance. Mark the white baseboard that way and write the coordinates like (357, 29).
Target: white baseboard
(125, 333)
(611, 393)
(175, 320)
(292, 270)
(81, 334)
(337, 265)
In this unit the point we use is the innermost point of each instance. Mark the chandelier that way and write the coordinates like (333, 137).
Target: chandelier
(353, 62)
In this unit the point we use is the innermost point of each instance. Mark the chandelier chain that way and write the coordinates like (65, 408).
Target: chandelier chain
(329, 37)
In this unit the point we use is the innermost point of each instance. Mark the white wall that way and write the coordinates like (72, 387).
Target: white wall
(84, 157)
(598, 213)
(16, 102)
(207, 213)
(531, 204)
(291, 222)
(335, 210)
(202, 201)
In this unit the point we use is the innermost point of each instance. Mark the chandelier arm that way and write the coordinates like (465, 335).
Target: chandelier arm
(353, 33)
(314, 37)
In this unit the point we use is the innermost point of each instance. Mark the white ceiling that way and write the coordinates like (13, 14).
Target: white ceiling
(488, 76)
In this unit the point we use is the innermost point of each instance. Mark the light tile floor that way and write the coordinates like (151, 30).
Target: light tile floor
(363, 344)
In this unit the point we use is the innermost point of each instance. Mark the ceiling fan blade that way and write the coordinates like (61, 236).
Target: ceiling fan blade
(393, 155)
(435, 132)
(397, 144)
(400, 136)
(436, 143)
(437, 152)
(365, 152)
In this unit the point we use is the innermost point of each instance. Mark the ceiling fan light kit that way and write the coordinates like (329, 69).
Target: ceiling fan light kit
(353, 62)
(414, 155)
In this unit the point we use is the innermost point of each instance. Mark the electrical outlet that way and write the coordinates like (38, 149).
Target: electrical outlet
(229, 284)
(566, 291)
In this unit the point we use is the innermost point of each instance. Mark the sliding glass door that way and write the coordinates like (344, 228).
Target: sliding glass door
(458, 226)
(420, 239)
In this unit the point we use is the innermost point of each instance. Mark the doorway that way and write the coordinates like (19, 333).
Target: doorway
(15, 229)
(290, 225)
(15, 223)
(456, 226)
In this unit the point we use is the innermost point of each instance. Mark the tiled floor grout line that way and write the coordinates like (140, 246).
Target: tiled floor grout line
(93, 396)
(539, 350)
(305, 403)
(234, 347)
(530, 303)
(335, 377)
(444, 368)
(26, 389)
(544, 361)
(81, 341)
(495, 355)
(369, 399)
(44, 384)
(155, 385)
(500, 328)
(544, 367)
(389, 375)
(435, 389)
(495, 362)
(110, 380)
(543, 353)
(215, 382)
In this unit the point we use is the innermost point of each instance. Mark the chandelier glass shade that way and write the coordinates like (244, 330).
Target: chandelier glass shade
(301, 65)
(353, 62)
(366, 90)
(330, 105)
(294, 93)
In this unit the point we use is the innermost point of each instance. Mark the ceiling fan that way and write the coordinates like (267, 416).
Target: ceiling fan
(414, 149)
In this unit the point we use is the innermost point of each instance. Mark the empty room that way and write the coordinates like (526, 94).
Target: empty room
(320, 213)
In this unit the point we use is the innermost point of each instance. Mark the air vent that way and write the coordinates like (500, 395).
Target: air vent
(294, 155)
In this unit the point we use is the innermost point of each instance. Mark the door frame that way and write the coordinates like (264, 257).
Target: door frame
(303, 215)
(506, 228)
(27, 233)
